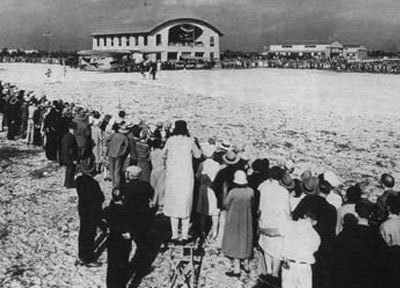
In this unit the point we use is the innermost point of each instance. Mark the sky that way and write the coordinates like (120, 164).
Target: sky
(248, 25)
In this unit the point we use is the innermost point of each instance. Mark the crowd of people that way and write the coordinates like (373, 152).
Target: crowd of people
(337, 64)
(305, 229)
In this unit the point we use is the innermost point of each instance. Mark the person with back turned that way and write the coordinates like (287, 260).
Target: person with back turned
(90, 211)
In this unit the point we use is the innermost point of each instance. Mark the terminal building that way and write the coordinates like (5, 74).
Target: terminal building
(335, 49)
(172, 40)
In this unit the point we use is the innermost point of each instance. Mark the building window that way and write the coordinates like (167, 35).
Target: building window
(97, 41)
(119, 41)
(112, 41)
(172, 56)
(145, 40)
(212, 43)
(128, 43)
(104, 41)
(287, 46)
(310, 46)
(158, 56)
(199, 54)
(211, 55)
(158, 39)
(136, 41)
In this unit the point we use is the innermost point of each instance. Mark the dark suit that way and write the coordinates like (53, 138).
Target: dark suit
(118, 248)
(90, 212)
(137, 198)
(69, 154)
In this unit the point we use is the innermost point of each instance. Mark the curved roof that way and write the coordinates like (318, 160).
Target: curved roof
(147, 29)
(186, 20)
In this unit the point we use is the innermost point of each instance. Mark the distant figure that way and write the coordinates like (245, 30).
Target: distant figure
(48, 73)
(153, 70)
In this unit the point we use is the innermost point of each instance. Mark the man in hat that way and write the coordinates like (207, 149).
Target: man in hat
(69, 155)
(137, 198)
(301, 241)
(317, 191)
(117, 151)
(90, 199)
(274, 212)
(119, 243)
(390, 232)
(355, 263)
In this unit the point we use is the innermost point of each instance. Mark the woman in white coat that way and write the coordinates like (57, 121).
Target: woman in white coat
(179, 183)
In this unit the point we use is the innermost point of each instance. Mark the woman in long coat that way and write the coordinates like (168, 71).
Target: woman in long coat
(238, 236)
(179, 182)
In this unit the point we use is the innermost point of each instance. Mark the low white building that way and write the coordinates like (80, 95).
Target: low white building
(353, 52)
(170, 40)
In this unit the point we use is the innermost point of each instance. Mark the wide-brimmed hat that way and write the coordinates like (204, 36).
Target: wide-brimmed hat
(240, 177)
(129, 125)
(134, 171)
(122, 129)
(88, 165)
(231, 158)
(310, 185)
(226, 145)
(287, 181)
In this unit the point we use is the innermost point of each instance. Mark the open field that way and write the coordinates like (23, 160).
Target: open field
(344, 122)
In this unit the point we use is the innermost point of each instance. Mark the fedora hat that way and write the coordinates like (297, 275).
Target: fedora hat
(287, 181)
(240, 177)
(88, 165)
(310, 185)
(231, 157)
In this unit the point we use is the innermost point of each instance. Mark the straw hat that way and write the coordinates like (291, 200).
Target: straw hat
(226, 145)
(231, 158)
(240, 177)
(123, 129)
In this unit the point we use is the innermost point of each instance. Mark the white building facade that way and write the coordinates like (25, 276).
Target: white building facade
(181, 38)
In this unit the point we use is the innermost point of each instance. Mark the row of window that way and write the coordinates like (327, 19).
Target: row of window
(102, 41)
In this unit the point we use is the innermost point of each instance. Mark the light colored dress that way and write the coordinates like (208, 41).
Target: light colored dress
(179, 180)
(238, 235)
(157, 176)
(97, 138)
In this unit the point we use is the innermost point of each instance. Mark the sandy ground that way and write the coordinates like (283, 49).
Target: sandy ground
(324, 120)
